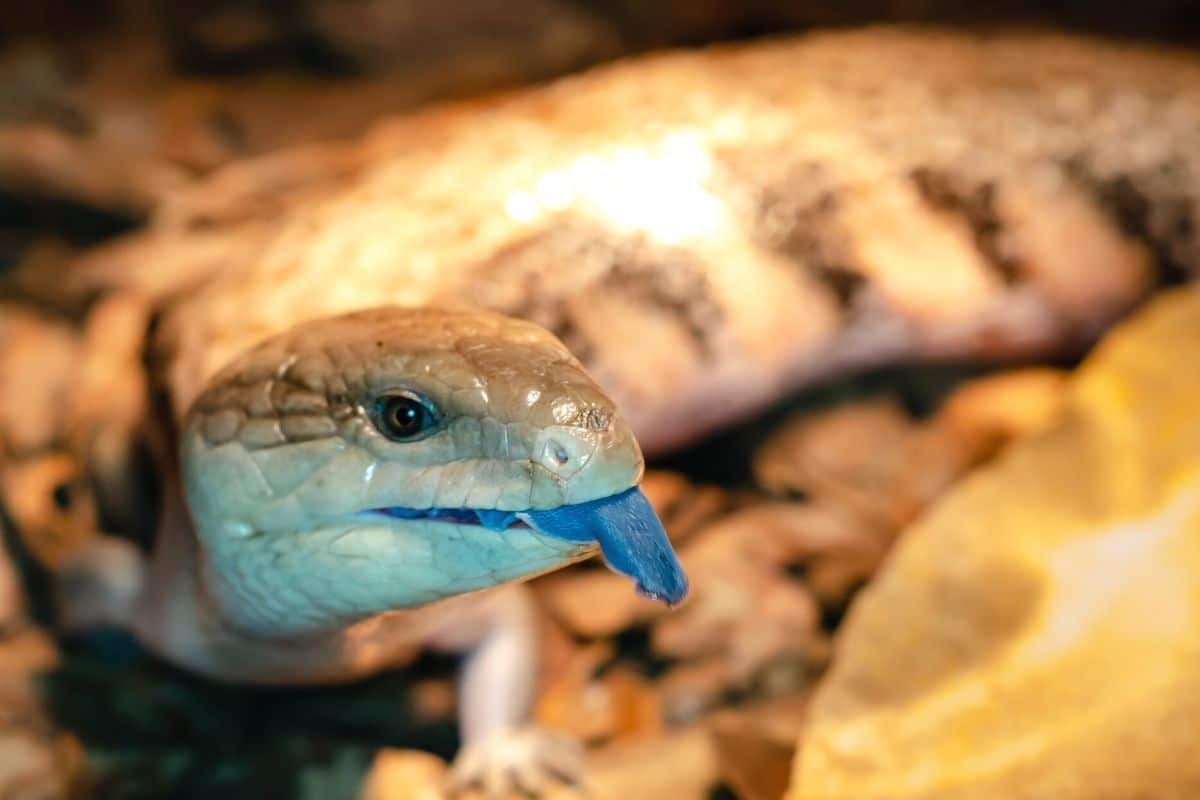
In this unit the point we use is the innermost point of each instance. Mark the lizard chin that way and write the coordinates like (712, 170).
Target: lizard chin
(339, 571)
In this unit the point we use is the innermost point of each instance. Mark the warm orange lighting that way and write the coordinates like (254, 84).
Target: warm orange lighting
(660, 190)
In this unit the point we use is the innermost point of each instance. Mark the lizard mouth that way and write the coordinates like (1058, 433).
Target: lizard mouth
(489, 518)
(629, 533)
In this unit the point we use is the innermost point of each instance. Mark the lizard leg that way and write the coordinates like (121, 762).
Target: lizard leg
(502, 753)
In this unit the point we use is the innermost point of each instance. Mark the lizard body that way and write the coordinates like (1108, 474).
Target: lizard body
(707, 230)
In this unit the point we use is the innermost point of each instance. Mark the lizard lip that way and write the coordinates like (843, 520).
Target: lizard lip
(487, 517)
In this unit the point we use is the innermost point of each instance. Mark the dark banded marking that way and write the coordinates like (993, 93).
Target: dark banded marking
(1157, 207)
(526, 280)
(975, 202)
(796, 217)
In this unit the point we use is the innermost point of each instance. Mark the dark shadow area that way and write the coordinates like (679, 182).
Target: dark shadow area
(725, 458)
(151, 730)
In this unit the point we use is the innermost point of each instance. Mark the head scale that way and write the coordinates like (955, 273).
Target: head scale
(334, 471)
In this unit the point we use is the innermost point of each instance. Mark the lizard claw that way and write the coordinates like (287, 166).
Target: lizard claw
(522, 762)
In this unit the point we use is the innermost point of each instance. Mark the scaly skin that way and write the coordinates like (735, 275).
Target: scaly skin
(280, 457)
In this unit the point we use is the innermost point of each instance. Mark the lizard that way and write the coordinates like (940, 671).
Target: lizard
(356, 488)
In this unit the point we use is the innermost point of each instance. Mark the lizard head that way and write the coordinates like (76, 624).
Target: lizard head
(389, 458)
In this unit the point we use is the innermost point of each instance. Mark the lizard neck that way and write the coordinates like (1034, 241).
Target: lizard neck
(235, 597)
(190, 616)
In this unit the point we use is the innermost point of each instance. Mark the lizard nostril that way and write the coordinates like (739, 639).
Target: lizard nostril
(558, 453)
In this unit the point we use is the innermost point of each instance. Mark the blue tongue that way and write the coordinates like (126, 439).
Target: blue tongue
(630, 536)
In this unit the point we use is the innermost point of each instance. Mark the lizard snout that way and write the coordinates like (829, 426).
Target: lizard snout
(587, 464)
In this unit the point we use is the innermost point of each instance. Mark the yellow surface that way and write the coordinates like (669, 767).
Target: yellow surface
(1038, 634)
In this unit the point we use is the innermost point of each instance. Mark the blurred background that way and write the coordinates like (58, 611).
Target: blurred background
(109, 109)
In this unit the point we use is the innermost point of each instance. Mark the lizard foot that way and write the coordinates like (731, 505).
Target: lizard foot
(522, 762)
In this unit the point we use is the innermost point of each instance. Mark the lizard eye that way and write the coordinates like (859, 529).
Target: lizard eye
(403, 417)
